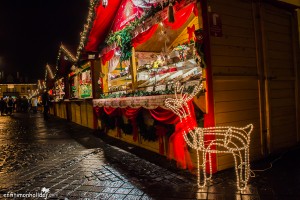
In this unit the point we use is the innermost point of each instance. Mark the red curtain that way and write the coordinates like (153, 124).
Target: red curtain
(144, 36)
(131, 114)
(106, 57)
(114, 112)
(109, 110)
(177, 146)
(97, 111)
(181, 17)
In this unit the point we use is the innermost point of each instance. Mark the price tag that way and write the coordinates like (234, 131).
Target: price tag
(160, 87)
(149, 89)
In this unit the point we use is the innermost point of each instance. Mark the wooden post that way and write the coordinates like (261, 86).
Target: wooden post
(133, 70)
(95, 72)
(104, 79)
(209, 117)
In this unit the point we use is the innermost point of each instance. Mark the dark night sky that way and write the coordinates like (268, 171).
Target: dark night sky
(31, 32)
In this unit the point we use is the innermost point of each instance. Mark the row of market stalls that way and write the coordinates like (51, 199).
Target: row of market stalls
(132, 52)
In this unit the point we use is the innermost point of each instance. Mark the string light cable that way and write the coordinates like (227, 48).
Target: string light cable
(275, 160)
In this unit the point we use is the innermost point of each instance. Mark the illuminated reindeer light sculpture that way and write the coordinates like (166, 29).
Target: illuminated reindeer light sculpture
(230, 140)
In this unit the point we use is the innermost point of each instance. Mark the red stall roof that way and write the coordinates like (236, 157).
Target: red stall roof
(113, 18)
(102, 24)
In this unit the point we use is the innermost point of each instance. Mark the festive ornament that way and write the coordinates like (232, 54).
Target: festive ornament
(232, 140)
(171, 13)
(190, 31)
(199, 36)
(104, 3)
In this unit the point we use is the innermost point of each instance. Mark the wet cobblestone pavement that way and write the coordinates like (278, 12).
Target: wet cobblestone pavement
(72, 163)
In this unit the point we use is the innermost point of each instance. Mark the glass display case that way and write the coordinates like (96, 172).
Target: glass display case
(157, 71)
(160, 71)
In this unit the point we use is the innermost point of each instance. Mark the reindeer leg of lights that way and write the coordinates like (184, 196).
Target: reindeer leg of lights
(198, 145)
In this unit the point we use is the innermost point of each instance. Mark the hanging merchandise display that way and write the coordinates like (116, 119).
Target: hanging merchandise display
(81, 82)
(59, 89)
(145, 57)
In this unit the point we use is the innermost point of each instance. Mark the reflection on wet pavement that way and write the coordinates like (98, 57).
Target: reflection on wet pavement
(72, 163)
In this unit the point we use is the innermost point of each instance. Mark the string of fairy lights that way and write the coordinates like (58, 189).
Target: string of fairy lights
(88, 25)
(83, 36)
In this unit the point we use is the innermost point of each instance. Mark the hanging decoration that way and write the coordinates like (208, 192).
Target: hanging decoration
(190, 31)
(104, 3)
(171, 18)
(199, 36)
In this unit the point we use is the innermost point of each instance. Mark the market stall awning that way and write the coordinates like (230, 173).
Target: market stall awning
(102, 24)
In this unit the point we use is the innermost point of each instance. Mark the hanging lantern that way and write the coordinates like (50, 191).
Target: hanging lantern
(171, 18)
(104, 3)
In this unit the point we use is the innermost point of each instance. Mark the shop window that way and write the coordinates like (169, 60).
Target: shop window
(85, 84)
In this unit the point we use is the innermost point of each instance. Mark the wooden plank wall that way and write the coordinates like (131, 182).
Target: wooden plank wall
(281, 73)
(82, 113)
(235, 80)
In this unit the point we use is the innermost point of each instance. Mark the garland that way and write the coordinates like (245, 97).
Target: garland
(146, 132)
(111, 122)
(123, 37)
(140, 93)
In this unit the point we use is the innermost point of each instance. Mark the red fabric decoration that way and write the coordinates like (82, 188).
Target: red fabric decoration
(97, 111)
(114, 112)
(190, 31)
(101, 25)
(144, 36)
(131, 114)
(177, 146)
(125, 14)
(181, 17)
(161, 132)
(106, 57)
(109, 110)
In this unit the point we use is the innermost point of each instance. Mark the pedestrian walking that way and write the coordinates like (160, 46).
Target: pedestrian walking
(10, 105)
(34, 104)
(2, 106)
(46, 104)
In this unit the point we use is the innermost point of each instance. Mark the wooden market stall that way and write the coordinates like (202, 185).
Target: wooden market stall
(248, 61)
(81, 94)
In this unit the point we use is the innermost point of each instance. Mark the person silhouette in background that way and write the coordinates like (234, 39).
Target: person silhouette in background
(46, 104)
(10, 105)
(34, 103)
(2, 106)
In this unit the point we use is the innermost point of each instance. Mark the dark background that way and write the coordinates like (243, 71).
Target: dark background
(31, 32)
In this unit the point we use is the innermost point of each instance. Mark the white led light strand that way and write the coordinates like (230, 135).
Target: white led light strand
(68, 53)
(48, 69)
(232, 140)
(87, 27)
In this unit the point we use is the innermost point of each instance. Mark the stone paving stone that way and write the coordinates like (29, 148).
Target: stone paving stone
(103, 196)
(136, 192)
(146, 197)
(117, 196)
(132, 197)
(70, 170)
